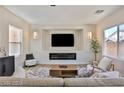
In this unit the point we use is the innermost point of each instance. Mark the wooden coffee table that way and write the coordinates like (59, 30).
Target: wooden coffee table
(68, 72)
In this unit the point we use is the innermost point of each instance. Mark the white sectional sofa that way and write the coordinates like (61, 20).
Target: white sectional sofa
(92, 82)
(60, 82)
(34, 82)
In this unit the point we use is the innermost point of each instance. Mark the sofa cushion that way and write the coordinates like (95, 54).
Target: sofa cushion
(44, 82)
(109, 74)
(31, 62)
(91, 82)
(104, 63)
(11, 81)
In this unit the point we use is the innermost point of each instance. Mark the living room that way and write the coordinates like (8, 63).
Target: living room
(56, 45)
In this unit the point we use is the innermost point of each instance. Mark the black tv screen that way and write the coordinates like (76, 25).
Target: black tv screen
(7, 66)
(62, 40)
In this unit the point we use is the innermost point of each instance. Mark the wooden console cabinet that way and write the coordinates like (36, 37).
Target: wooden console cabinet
(64, 72)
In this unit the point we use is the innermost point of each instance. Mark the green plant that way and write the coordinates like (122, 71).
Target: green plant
(95, 47)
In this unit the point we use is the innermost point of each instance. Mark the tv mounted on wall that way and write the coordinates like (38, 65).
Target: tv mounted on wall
(62, 40)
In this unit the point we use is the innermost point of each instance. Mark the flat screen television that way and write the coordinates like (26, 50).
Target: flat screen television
(62, 40)
(7, 66)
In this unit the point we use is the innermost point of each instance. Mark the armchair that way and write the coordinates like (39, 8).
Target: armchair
(30, 60)
(105, 64)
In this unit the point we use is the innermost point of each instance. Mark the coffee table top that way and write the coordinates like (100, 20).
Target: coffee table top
(70, 67)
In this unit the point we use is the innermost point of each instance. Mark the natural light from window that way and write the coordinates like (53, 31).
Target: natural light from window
(110, 42)
(121, 41)
(15, 40)
(114, 42)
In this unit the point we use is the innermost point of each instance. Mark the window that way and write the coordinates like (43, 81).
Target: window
(15, 40)
(110, 42)
(121, 41)
(114, 42)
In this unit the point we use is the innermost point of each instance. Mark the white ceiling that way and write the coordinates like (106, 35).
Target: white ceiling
(75, 15)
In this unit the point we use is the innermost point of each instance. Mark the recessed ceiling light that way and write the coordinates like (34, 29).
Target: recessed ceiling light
(99, 11)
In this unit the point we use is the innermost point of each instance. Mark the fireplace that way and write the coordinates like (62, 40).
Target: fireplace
(62, 56)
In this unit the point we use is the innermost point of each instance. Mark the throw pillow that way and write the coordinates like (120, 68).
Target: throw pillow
(104, 63)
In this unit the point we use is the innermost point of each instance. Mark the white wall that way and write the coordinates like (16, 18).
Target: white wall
(42, 49)
(36, 46)
(6, 18)
(115, 18)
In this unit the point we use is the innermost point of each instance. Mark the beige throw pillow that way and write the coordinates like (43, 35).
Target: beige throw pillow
(104, 63)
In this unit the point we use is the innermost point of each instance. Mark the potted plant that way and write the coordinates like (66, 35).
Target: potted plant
(95, 48)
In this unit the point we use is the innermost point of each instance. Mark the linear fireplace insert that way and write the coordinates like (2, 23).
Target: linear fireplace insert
(62, 56)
